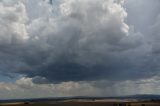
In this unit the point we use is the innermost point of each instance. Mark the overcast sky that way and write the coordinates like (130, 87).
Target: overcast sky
(53, 48)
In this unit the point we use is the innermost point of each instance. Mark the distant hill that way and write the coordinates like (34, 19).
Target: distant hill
(138, 97)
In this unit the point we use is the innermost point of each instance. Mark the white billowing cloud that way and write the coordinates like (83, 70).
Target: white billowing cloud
(84, 37)
(12, 23)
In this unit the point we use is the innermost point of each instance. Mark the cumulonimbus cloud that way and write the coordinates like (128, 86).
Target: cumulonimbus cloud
(71, 40)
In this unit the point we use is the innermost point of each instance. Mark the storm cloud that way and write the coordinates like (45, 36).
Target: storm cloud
(78, 40)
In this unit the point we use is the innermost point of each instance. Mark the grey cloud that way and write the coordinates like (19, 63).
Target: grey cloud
(73, 40)
(85, 43)
(142, 14)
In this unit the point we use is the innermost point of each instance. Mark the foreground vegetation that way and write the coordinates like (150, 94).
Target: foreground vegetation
(86, 103)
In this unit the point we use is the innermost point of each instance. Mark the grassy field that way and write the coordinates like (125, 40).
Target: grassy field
(84, 103)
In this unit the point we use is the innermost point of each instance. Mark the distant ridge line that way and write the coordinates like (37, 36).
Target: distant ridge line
(138, 97)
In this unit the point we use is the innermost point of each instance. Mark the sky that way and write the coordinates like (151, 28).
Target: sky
(59, 48)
